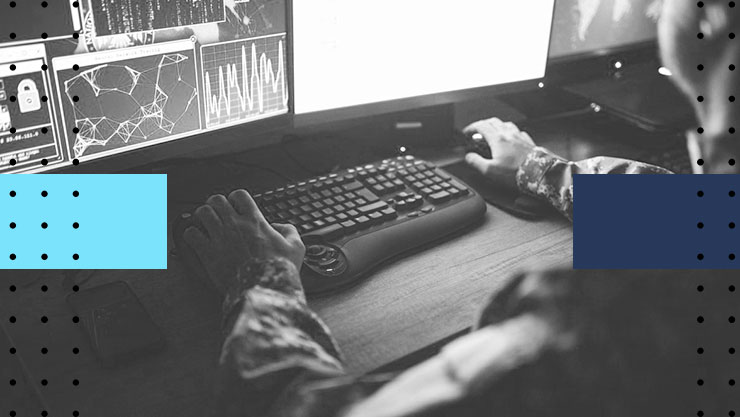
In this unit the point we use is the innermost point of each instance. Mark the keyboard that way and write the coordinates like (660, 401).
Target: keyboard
(355, 220)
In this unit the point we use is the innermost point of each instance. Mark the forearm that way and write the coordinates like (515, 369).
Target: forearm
(273, 343)
(550, 177)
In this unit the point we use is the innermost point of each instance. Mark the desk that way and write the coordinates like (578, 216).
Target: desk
(404, 306)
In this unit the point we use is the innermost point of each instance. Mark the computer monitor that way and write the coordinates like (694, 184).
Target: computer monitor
(598, 27)
(354, 58)
(94, 79)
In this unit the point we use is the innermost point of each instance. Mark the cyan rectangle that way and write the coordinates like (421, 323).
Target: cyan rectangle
(652, 221)
(122, 221)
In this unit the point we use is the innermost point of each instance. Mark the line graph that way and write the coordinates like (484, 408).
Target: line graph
(244, 80)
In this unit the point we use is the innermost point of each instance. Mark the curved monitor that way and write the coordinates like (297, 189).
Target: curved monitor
(116, 76)
(352, 58)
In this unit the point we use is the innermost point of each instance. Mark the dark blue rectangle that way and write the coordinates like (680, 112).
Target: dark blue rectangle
(651, 221)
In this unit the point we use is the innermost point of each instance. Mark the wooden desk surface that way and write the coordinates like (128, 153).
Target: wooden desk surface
(401, 308)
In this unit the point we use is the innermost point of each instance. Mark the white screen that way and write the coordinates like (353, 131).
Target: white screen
(353, 52)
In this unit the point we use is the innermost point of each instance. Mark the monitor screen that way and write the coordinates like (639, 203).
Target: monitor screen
(594, 26)
(355, 52)
(95, 78)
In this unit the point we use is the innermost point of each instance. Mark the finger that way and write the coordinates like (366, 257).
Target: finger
(244, 204)
(288, 231)
(195, 238)
(222, 207)
(525, 136)
(490, 132)
(210, 220)
(478, 163)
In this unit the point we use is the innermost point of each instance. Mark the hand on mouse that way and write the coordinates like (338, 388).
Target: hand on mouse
(236, 232)
(509, 147)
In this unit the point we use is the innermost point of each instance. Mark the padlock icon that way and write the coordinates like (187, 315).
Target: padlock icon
(28, 96)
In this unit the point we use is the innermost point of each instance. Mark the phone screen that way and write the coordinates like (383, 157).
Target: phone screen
(118, 326)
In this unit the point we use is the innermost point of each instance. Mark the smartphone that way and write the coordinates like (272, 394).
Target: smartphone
(116, 322)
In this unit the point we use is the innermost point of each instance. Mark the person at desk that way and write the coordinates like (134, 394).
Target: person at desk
(544, 344)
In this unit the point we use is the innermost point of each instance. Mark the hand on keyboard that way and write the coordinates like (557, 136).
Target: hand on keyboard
(228, 232)
(509, 148)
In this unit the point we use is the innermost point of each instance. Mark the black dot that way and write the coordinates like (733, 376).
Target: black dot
(12, 225)
(12, 413)
(12, 382)
(75, 193)
(700, 4)
(732, 193)
(732, 67)
(44, 67)
(12, 288)
(731, 319)
(76, 351)
(731, 382)
(75, 256)
(75, 382)
(76, 288)
(700, 256)
(12, 351)
(44, 193)
(732, 99)
(44, 256)
(700, 351)
(75, 130)
(44, 319)
(76, 4)
(731, 413)
(732, 4)
(732, 225)
(75, 413)
(75, 319)
(700, 413)
(732, 351)
(76, 225)
(12, 161)
(732, 130)
(75, 99)
(12, 130)
(700, 319)
(44, 382)
(12, 193)
(731, 162)
(731, 288)
(700, 162)
(700, 288)
(75, 67)
(76, 35)
(44, 288)
(700, 99)
(44, 225)
(44, 35)
(12, 319)
(700, 193)
(12, 99)
(44, 130)
(12, 35)
(700, 67)
(44, 99)
(44, 4)
(700, 382)
(75, 162)
(12, 257)
(700, 130)
(44, 413)
(700, 35)
(12, 4)
(12, 67)
(44, 162)
(700, 225)
(44, 351)
(731, 35)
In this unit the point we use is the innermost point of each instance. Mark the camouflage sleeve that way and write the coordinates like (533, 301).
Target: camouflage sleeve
(550, 177)
(274, 343)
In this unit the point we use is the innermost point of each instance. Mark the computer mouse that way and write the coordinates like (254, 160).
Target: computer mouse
(476, 143)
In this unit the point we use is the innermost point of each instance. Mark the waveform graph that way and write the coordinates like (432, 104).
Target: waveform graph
(244, 80)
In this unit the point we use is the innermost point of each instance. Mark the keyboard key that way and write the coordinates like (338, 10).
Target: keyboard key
(373, 207)
(349, 226)
(389, 213)
(356, 185)
(363, 221)
(439, 197)
(367, 195)
(328, 232)
(375, 217)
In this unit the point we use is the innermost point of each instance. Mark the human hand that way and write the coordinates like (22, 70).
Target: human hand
(509, 148)
(680, 23)
(235, 231)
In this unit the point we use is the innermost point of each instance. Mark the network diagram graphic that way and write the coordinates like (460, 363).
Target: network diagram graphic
(119, 104)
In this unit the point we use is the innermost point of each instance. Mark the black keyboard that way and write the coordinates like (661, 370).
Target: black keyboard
(354, 220)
